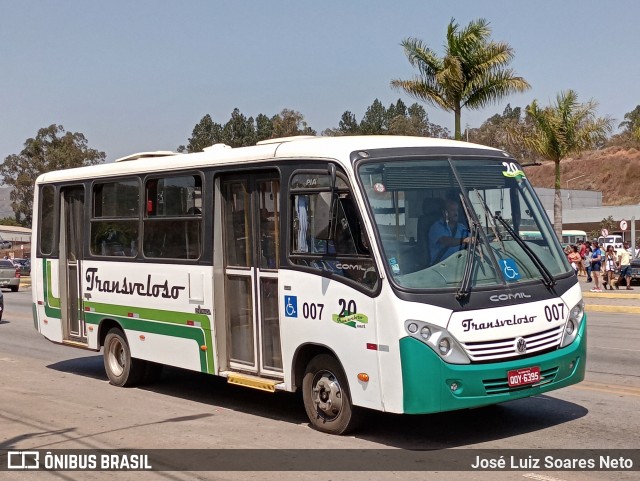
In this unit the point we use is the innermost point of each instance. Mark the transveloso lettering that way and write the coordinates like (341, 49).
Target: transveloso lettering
(469, 325)
(131, 288)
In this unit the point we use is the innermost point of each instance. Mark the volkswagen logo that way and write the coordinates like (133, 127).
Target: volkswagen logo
(521, 345)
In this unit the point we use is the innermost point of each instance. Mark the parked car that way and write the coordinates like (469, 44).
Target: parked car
(9, 275)
(635, 270)
(5, 244)
(25, 266)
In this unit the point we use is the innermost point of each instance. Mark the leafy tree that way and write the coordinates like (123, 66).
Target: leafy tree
(415, 121)
(472, 73)
(239, 131)
(348, 124)
(563, 129)
(51, 149)
(205, 133)
(264, 128)
(505, 132)
(630, 135)
(375, 119)
(631, 122)
(395, 120)
(289, 123)
(399, 110)
(606, 223)
(10, 221)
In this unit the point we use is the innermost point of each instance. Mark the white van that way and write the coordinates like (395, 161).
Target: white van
(610, 240)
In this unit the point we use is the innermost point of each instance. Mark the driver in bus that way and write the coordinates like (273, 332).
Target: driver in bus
(447, 236)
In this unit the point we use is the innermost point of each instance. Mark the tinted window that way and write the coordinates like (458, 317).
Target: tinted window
(46, 221)
(327, 233)
(173, 217)
(114, 225)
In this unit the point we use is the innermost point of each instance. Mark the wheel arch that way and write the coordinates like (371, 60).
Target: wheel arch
(105, 326)
(301, 358)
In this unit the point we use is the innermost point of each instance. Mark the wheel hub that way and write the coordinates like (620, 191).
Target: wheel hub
(327, 395)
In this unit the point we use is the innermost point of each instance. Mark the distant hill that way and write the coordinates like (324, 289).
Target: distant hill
(614, 171)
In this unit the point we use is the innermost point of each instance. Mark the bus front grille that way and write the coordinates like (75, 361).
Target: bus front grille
(504, 349)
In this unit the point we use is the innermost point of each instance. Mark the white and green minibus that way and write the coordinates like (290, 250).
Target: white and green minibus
(368, 272)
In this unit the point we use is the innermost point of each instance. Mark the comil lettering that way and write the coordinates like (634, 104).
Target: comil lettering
(347, 267)
(507, 297)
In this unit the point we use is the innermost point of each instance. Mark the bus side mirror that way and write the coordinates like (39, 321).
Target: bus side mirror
(321, 220)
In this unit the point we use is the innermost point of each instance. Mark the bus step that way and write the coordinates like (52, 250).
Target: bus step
(254, 382)
(81, 345)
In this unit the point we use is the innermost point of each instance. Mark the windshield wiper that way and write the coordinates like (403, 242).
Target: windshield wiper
(490, 218)
(465, 284)
(546, 274)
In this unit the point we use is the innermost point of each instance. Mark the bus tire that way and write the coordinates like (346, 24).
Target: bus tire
(122, 370)
(326, 396)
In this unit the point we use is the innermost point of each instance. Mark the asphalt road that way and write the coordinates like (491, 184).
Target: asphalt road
(56, 397)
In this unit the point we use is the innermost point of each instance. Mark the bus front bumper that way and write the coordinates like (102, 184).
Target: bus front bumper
(430, 385)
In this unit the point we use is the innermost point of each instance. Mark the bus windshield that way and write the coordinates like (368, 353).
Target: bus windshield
(428, 212)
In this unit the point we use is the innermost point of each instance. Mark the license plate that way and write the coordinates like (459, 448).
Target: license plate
(522, 377)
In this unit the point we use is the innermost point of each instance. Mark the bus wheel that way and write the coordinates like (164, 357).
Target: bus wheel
(122, 369)
(326, 396)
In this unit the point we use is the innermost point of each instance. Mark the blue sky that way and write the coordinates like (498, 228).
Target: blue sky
(138, 75)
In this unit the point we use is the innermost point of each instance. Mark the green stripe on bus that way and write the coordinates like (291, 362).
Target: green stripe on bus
(156, 321)
(163, 328)
(51, 304)
(161, 317)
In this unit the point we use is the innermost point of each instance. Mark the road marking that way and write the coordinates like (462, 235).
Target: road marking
(7, 359)
(607, 308)
(607, 388)
(616, 348)
(540, 477)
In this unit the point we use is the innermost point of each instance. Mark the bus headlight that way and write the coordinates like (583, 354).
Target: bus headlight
(576, 317)
(425, 332)
(438, 339)
(444, 346)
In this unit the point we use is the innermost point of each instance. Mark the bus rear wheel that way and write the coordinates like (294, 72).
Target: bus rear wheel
(122, 370)
(326, 396)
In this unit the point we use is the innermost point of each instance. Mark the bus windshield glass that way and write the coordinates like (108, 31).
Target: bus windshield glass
(428, 212)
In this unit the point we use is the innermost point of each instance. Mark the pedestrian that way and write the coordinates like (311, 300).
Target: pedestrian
(624, 263)
(574, 258)
(610, 263)
(587, 263)
(596, 264)
(582, 250)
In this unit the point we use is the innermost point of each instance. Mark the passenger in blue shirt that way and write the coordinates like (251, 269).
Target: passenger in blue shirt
(447, 236)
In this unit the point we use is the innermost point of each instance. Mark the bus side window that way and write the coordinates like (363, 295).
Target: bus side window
(333, 242)
(172, 227)
(114, 220)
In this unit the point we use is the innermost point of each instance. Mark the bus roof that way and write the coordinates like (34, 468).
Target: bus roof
(338, 148)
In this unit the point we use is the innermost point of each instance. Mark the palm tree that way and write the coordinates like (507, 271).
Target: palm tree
(471, 74)
(564, 129)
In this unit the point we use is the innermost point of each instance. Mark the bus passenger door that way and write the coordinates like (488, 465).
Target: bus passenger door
(71, 256)
(251, 259)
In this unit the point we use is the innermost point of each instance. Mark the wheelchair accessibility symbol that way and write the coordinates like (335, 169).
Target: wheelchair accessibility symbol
(291, 306)
(509, 269)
